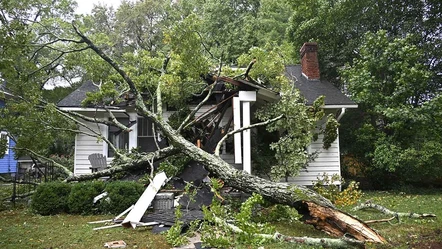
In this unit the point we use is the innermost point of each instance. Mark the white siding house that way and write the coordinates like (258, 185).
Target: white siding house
(238, 105)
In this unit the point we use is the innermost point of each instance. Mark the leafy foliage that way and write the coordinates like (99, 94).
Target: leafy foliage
(51, 198)
(398, 127)
(327, 186)
(80, 200)
(121, 194)
(223, 236)
(296, 130)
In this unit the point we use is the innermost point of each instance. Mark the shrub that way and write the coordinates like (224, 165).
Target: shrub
(326, 187)
(82, 194)
(121, 195)
(51, 198)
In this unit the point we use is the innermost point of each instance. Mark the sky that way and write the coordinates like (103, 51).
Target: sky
(85, 6)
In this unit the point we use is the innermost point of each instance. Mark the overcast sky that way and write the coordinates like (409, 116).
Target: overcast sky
(85, 6)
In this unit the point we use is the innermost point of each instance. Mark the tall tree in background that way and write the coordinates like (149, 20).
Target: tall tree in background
(396, 129)
(339, 27)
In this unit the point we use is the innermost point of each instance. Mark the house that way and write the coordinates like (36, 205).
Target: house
(227, 109)
(8, 164)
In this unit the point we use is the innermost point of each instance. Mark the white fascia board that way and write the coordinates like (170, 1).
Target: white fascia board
(89, 109)
(338, 106)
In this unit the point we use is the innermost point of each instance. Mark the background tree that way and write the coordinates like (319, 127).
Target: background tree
(397, 128)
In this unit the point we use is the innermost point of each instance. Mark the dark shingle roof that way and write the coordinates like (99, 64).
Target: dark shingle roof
(75, 98)
(312, 89)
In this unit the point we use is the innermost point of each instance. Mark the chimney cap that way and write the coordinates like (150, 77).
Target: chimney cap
(308, 47)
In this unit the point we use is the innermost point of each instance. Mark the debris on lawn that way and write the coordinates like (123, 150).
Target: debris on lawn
(115, 244)
(145, 200)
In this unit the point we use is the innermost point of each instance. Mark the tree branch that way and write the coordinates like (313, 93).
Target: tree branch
(124, 164)
(218, 146)
(384, 210)
(56, 58)
(43, 158)
(325, 242)
(185, 124)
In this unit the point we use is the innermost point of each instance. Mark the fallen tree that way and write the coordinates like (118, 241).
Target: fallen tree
(317, 210)
(145, 96)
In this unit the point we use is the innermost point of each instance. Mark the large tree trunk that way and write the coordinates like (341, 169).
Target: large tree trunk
(317, 210)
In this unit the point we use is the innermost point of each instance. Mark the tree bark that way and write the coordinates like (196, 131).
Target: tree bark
(136, 161)
(317, 210)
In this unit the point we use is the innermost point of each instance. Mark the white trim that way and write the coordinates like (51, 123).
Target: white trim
(341, 114)
(338, 106)
(236, 126)
(247, 95)
(89, 109)
(247, 156)
(105, 132)
(133, 134)
(75, 154)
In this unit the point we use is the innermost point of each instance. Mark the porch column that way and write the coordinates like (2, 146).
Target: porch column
(243, 100)
(133, 135)
(236, 126)
(247, 154)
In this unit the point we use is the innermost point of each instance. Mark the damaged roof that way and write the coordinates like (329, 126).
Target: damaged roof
(312, 89)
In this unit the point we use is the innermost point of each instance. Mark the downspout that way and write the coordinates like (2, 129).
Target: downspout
(341, 114)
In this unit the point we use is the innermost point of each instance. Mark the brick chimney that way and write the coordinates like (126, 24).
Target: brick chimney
(309, 60)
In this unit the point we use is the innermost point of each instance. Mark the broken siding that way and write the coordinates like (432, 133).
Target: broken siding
(84, 146)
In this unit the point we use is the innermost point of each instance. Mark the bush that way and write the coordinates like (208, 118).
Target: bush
(326, 187)
(121, 195)
(51, 198)
(81, 198)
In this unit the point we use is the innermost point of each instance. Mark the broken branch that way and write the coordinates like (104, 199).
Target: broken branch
(326, 242)
(218, 146)
(385, 210)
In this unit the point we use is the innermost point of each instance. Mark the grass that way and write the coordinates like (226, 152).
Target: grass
(22, 229)
(19, 228)
(408, 233)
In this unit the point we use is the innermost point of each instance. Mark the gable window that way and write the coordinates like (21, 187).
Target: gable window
(4, 136)
(118, 138)
(145, 136)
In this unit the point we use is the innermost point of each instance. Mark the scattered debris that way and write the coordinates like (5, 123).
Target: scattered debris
(106, 227)
(115, 244)
(145, 200)
(163, 201)
(99, 197)
(167, 217)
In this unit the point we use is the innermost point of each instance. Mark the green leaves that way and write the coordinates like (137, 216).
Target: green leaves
(295, 131)
(394, 90)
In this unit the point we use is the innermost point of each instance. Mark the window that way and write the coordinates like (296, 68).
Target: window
(4, 136)
(146, 138)
(118, 138)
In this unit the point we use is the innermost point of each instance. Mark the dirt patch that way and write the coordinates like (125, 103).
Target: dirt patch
(432, 240)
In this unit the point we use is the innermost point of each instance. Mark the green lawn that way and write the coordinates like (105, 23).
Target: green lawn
(19, 228)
